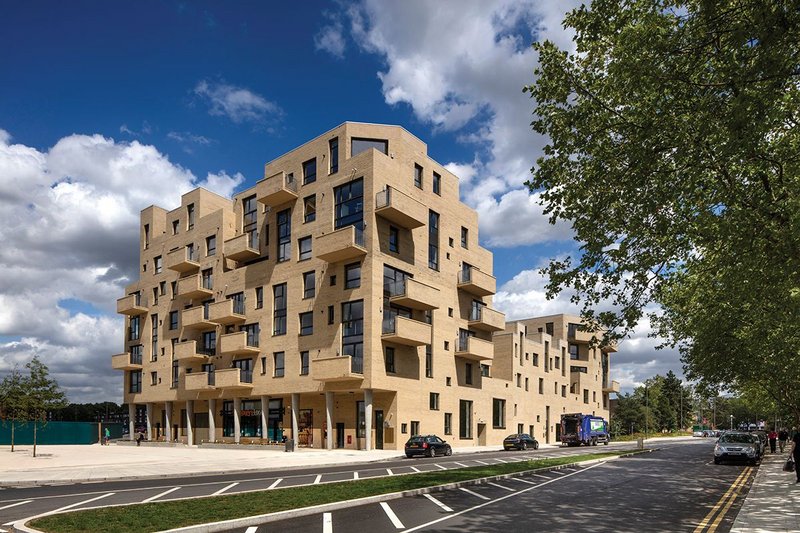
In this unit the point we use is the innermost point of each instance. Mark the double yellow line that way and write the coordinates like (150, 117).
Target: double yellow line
(724, 504)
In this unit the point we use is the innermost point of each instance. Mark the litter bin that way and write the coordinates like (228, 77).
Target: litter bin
(289, 445)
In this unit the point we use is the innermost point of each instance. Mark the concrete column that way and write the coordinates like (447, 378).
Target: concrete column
(149, 421)
(328, 419)
(212, 425)
(168, 421)
(368, 418)
(237, 428)
(264, 411)
(295, 409)
(189, 420)
(131, 420)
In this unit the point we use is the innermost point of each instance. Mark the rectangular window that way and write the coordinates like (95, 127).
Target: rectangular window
(162, 288)
(190, 215)
(158, 264)
(310, 208)
(279, 306)
(153, 378)
(418, 176)
(464, 237)
(333, 280)
(394, 239)
(259, 297)
(330, 314)
(208, 345)
(253, 332)
(468, 373)
(485, 371)
(437, 184)
(309, 284)
(146, 236)
(352, 276)
(134, 332)
(433, 240)
(349, 205)
(306, 323)
(564, 391)
(304, 246)
(303, 363)
(173, 320)
(526, 384)
(353, 334)
(190, 252)
(284, 223)
(136, 354)
(541, 385)
(175, 227)
(428, 361)
(362, 145)
(154, 337)
(389, 360)
(333, 155)
(263, 366)
(448, 423)
(310, 171)
(135, 381)
(498, 413)
(465, 419)
(278, 358)
(155, 295)
(238, 302)
(414, 427)
(574, 353)
(433, 401)
(361, 431)
(207, 278)
(250, 220)
(585, 395)
(211, 245)
(174, 286)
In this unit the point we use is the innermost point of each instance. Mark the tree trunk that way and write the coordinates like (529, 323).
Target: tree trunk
(12, 435)
(34, 438)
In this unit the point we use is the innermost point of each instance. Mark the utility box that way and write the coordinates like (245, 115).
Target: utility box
(289, 445)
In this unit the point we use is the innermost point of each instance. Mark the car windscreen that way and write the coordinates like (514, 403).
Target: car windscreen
(416, 439)
(741, 439)
(513, 436)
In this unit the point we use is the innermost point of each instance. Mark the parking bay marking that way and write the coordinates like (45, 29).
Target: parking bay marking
(327, 523)
(90, 500)
(157, 496)
(275, 483)
(223, 489)
(437, 502)
(251, 529)
(481, 496)
(393, 517)
(501, 486)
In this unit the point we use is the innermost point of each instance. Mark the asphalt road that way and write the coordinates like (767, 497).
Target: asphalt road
(677, 488)
(24, 502)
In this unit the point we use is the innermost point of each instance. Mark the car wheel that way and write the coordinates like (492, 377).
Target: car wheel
(535, 445)
(431, 452)
(717, 461)
(448, 451)
(523, 446)
(409, 456)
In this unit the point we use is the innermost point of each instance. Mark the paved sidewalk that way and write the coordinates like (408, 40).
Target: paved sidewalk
(773, 503)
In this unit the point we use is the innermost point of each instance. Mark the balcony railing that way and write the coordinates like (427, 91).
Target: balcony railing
(476, 282)
(404, 330)
(277, 189)
(485, 318)
(183, 259)
(400, 208)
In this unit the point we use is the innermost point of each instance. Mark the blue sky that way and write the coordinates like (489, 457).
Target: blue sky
(106, 108)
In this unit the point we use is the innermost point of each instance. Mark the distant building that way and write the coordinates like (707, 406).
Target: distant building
(344, 301)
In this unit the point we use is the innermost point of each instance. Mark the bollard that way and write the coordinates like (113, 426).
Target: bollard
(640, 443)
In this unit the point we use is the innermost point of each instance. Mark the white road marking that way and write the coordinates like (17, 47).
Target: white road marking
(462, 465)
(327, 523)
(251, 529)
(437, 502)
(415, 469)
(481, 462)
(393, 517)
(275, 483)
(440, 467)
(500, 460)
(541, 476)
(559, 472)
(317, 479)
(223, 489)
(355, 475)
(90, 500)
(481, 496)
(15, 504)
(522, 480)
(500, 486)
(157, 496)
(389, 471)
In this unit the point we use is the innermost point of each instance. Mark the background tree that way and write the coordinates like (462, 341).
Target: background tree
(13, 401)
(674, 151)
(43, 395)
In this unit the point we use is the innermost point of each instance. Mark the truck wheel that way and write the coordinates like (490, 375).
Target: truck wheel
(594, 441)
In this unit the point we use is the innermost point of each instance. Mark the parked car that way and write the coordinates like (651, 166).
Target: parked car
(427, 445)
(739, 446)
(763, 440)
(520, 441)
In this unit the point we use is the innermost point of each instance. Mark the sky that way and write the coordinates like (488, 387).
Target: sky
(107, 108)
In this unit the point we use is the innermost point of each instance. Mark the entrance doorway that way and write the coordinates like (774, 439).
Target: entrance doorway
(340, 434)
(378, 430)
(481, 434)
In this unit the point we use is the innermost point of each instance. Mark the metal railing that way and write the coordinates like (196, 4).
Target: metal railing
(395, 288)
(465, 275)
(135, 358)
(359, 232)
(356, 364)
(383, 198)
(211, 378)
(289, 182)
(245, 376)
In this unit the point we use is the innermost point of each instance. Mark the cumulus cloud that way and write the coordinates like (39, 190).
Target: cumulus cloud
(68, 217)
(237, 103)
(331, 39)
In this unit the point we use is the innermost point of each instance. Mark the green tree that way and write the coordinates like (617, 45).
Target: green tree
(674, 151)
(42, 395)
(13, 401)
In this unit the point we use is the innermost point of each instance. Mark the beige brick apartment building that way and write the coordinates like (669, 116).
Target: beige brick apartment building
(344, 301)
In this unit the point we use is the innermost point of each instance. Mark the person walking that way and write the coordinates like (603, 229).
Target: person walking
(795, 453)
(783, 436)
(107, 436)
(773, 440)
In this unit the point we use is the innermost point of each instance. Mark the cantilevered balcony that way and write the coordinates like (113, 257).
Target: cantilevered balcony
(226, 312)
(242, 247)
(611, 387)
(277, 189)
(475, 349)
(183, 259)
(476, 282)
(200, 381)
(126, 361)
(486, 319)
(414, 294)
(236, 344)
(344, 244)
(190, 352)
(131, 305)
(402, 330)
(337, 368)
(195, 318)
(192, 287)
(400, 209)
(233, 378)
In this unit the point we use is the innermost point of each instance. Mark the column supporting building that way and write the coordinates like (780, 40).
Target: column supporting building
(295, 409)
(212, 425)
(131, 420)
(168, 421)
(328, 420)
(189, 417)
(237, 407)
(368, 419)
(264, 411)
(149, 407)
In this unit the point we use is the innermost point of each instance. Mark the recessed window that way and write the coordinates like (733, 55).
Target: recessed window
(207, 278)
(333, 155)
(437, 184)
(468, 373)
(428, 361)
(498, 413)
(173, 320)
(175, 227)
(433, 240)
(310, 171)
(309, 284)
(333, 280)
(153, 378)
(433, 401)
(418, 176)
(284, 224)
(157, 262)
(352, 276)
(448, 423)
(394, 239)
(464, 237)
(304, 246)
(448, 381)
(358, 145)
(306, 323)
(279, 313)
(330, 314)
(190, 215)
(303, 363)
(278, 358)
(211, 245)
(259, 297)
(310, 208)
(389, 360)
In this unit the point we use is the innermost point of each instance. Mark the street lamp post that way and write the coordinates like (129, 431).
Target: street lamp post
(731, 426)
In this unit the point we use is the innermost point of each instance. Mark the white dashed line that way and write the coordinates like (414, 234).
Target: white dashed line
(327, 523)
(440, 467)
(223, 489)
(462, 465)
(500, 460)
(15, 504)
(541, 476)
(106, 495)
(157, 496)
(481, 462)
(437, 502)
(522, 480)
(481, 496)
(393, 517)
(251, 529)
(355, 475)
(415, 469)
(275, 483)
(389, 471)
(317, 479)
(500, 486)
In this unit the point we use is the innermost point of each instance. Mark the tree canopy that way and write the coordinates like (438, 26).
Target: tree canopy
(674, 151)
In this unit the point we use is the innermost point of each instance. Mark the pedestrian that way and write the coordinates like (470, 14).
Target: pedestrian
(139, 437)
(773, 440)
(783, 436)
(795, 453)
(107, 436)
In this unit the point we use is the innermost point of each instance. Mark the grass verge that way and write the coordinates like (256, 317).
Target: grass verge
(159, 516)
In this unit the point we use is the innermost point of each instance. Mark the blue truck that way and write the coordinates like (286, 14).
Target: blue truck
(577, 429)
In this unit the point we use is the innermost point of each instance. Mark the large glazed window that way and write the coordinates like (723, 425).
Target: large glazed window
(279, 304)
(362, 145)
(284, 235)
(250, 220)
(349, 204)
(465, 419)
(353, 333)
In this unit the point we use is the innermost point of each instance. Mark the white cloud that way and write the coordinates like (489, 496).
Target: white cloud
(189, 140)
(68, 217)
(236, 103)
(331, 40)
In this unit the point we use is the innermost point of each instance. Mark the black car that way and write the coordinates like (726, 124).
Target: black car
(520, 441)
(427, 445)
